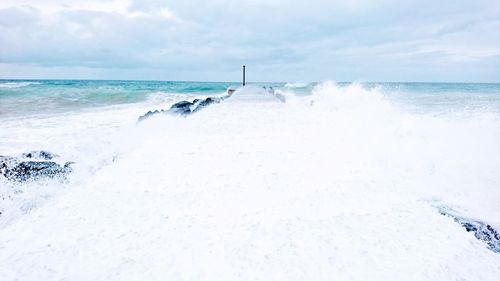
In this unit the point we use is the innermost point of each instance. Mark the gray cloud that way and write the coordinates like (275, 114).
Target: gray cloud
(279, 40)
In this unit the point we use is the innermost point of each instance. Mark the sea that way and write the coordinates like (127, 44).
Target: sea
(335, 175)
(23, 98)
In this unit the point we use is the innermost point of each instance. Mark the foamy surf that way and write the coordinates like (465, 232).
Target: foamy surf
(17, 84)
(340, 179)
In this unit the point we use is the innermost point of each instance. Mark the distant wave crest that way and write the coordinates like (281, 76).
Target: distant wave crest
(296, 85)
(17, 84)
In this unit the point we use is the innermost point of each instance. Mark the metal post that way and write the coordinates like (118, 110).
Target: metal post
(243, 75)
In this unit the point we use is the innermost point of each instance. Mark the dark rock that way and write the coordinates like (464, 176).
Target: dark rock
(204, 103)
(40, 154)
(185, 108)
(481, 230)
(15, 169)
(6, 164)
(149, 114)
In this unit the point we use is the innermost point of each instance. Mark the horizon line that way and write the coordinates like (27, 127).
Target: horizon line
(239, 82)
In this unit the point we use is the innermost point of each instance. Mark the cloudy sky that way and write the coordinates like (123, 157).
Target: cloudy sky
(209, 40)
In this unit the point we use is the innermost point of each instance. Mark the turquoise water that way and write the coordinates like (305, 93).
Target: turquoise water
(27, 97)
(48, 96)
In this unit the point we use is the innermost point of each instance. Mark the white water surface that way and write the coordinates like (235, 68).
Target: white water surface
(341, 184)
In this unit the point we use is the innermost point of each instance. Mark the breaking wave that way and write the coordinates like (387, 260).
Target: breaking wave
(17, 84)
(346, 168)
(296, 85)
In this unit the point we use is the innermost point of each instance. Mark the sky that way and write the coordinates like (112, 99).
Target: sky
(285, 41)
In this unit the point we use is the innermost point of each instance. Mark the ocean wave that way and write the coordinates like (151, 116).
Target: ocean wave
(296, 84)
(17, 84)
(336, 168)
(161, 98)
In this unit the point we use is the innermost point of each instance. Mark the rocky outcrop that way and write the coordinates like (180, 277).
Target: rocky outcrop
(185, 108)
(31, 166)
(40, 154)
(481, 230)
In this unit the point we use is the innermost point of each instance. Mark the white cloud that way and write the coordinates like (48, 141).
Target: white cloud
(281, 40)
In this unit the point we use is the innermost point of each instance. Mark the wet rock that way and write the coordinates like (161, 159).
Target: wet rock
(185, 108)
(481, 230)
(207, 102)
(21, 169)
(40, 154)
(6, 164)
(35, 169)
(149, 114)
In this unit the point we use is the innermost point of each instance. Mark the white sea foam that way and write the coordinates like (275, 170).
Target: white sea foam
(339, 184)
(296, 84)
(163, 98)
(17, 84)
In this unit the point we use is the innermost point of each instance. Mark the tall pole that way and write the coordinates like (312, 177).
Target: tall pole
(243, 75)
